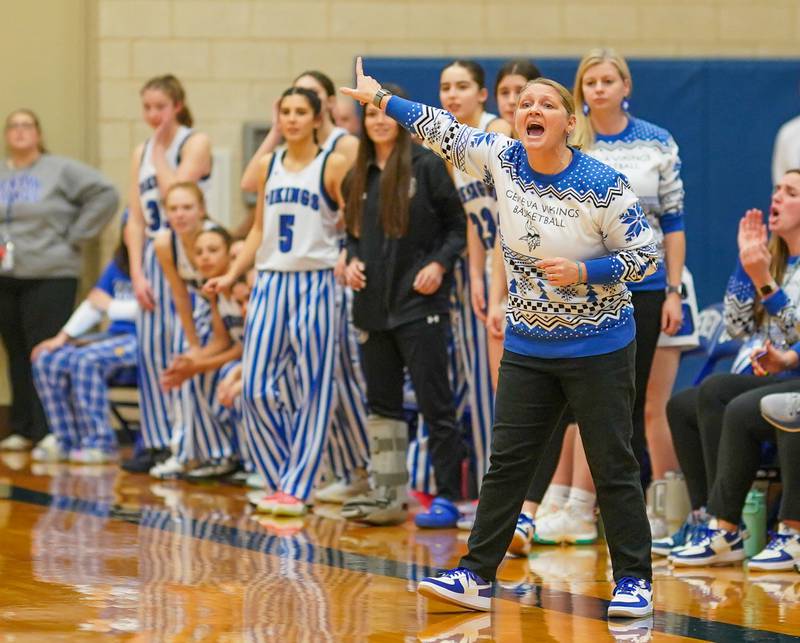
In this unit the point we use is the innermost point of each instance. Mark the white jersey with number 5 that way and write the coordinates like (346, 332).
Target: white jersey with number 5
(299, 219)
(149, 195)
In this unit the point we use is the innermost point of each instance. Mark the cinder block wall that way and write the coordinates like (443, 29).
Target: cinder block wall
(236, 56)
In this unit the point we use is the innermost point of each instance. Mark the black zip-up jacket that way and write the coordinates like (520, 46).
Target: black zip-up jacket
(436, 232)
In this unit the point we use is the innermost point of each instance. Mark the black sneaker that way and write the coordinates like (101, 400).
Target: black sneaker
(145, 460)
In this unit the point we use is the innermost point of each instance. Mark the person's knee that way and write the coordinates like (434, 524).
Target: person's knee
(711, 388)
(40, 364)
(741, 413)
(680, 408)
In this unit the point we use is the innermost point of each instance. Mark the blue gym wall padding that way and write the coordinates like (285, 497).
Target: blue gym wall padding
(724, 114)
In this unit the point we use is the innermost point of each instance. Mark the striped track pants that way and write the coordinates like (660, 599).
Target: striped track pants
(154, 330)
(290, 352)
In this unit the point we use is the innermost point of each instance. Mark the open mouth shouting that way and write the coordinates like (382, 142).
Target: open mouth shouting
(534, 130)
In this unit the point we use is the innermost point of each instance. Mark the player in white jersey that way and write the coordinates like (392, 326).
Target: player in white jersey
(197, 438)
(348, 451)
(290, 335)
(512, 76)
(462, 91)
(174, 153)
(205, 438)
(328, 136)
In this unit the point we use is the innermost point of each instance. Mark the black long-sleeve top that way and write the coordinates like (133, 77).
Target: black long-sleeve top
(436, 232)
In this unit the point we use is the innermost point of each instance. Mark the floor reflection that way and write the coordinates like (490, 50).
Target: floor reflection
(91, 550)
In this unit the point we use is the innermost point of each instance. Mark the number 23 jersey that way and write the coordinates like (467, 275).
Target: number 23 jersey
(150, 197)
(299, 219)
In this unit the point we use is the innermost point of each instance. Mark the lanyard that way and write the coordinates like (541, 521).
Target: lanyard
(6, 236)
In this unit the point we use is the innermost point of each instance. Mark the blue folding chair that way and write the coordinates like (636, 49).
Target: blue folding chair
(715, 343)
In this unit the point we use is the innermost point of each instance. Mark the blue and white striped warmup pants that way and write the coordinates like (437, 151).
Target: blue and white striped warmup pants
(204, 429)
(72, 383)
(472, 347)
(154, 330)
(288, 398)
(348, 445)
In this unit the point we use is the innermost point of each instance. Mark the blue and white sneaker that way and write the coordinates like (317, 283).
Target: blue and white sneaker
(442, 514)
(681, 538)
(781, 553)
(633, 597)
(459, 586)
(710, 545)
(523, 536)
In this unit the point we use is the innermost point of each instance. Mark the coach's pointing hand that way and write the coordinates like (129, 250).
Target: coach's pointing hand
(366, 86)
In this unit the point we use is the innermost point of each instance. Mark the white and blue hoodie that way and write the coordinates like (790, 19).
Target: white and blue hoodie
(588, 212)
(648, 155)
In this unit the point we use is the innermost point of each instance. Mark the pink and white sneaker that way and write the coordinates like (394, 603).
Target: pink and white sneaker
(286, 505)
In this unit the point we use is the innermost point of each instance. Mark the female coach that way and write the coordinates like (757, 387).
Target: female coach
(572, 234)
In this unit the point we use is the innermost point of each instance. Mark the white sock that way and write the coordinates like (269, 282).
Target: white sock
(556, 495)
(582, 503)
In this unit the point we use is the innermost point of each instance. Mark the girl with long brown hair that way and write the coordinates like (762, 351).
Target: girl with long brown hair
(405, 231)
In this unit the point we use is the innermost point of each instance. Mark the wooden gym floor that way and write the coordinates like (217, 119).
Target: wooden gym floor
(91, 553)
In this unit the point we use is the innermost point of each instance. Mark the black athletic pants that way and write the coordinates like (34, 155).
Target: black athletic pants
(532, 394)
(647, 306)
(743, 431)
(700, 419)
(421, 346)
(31, 310)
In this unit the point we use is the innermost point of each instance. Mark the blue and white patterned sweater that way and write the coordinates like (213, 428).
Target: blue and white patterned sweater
(781, 322)
(648, 156)
(587, 212)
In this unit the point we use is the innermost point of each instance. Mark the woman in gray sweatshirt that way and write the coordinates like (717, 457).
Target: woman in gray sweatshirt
(49, 205)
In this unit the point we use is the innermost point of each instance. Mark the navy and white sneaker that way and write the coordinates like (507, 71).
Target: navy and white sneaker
(681, 538)
(710, 545)
(781, 553)
(782, 410)
(459, 586)
(633, 598)
(523, 536)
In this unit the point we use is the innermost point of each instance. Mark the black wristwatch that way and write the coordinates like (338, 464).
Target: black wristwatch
(766, 290)
(678, 290)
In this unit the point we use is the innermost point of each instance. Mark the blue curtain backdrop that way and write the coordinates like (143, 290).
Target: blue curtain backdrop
(724, 114)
